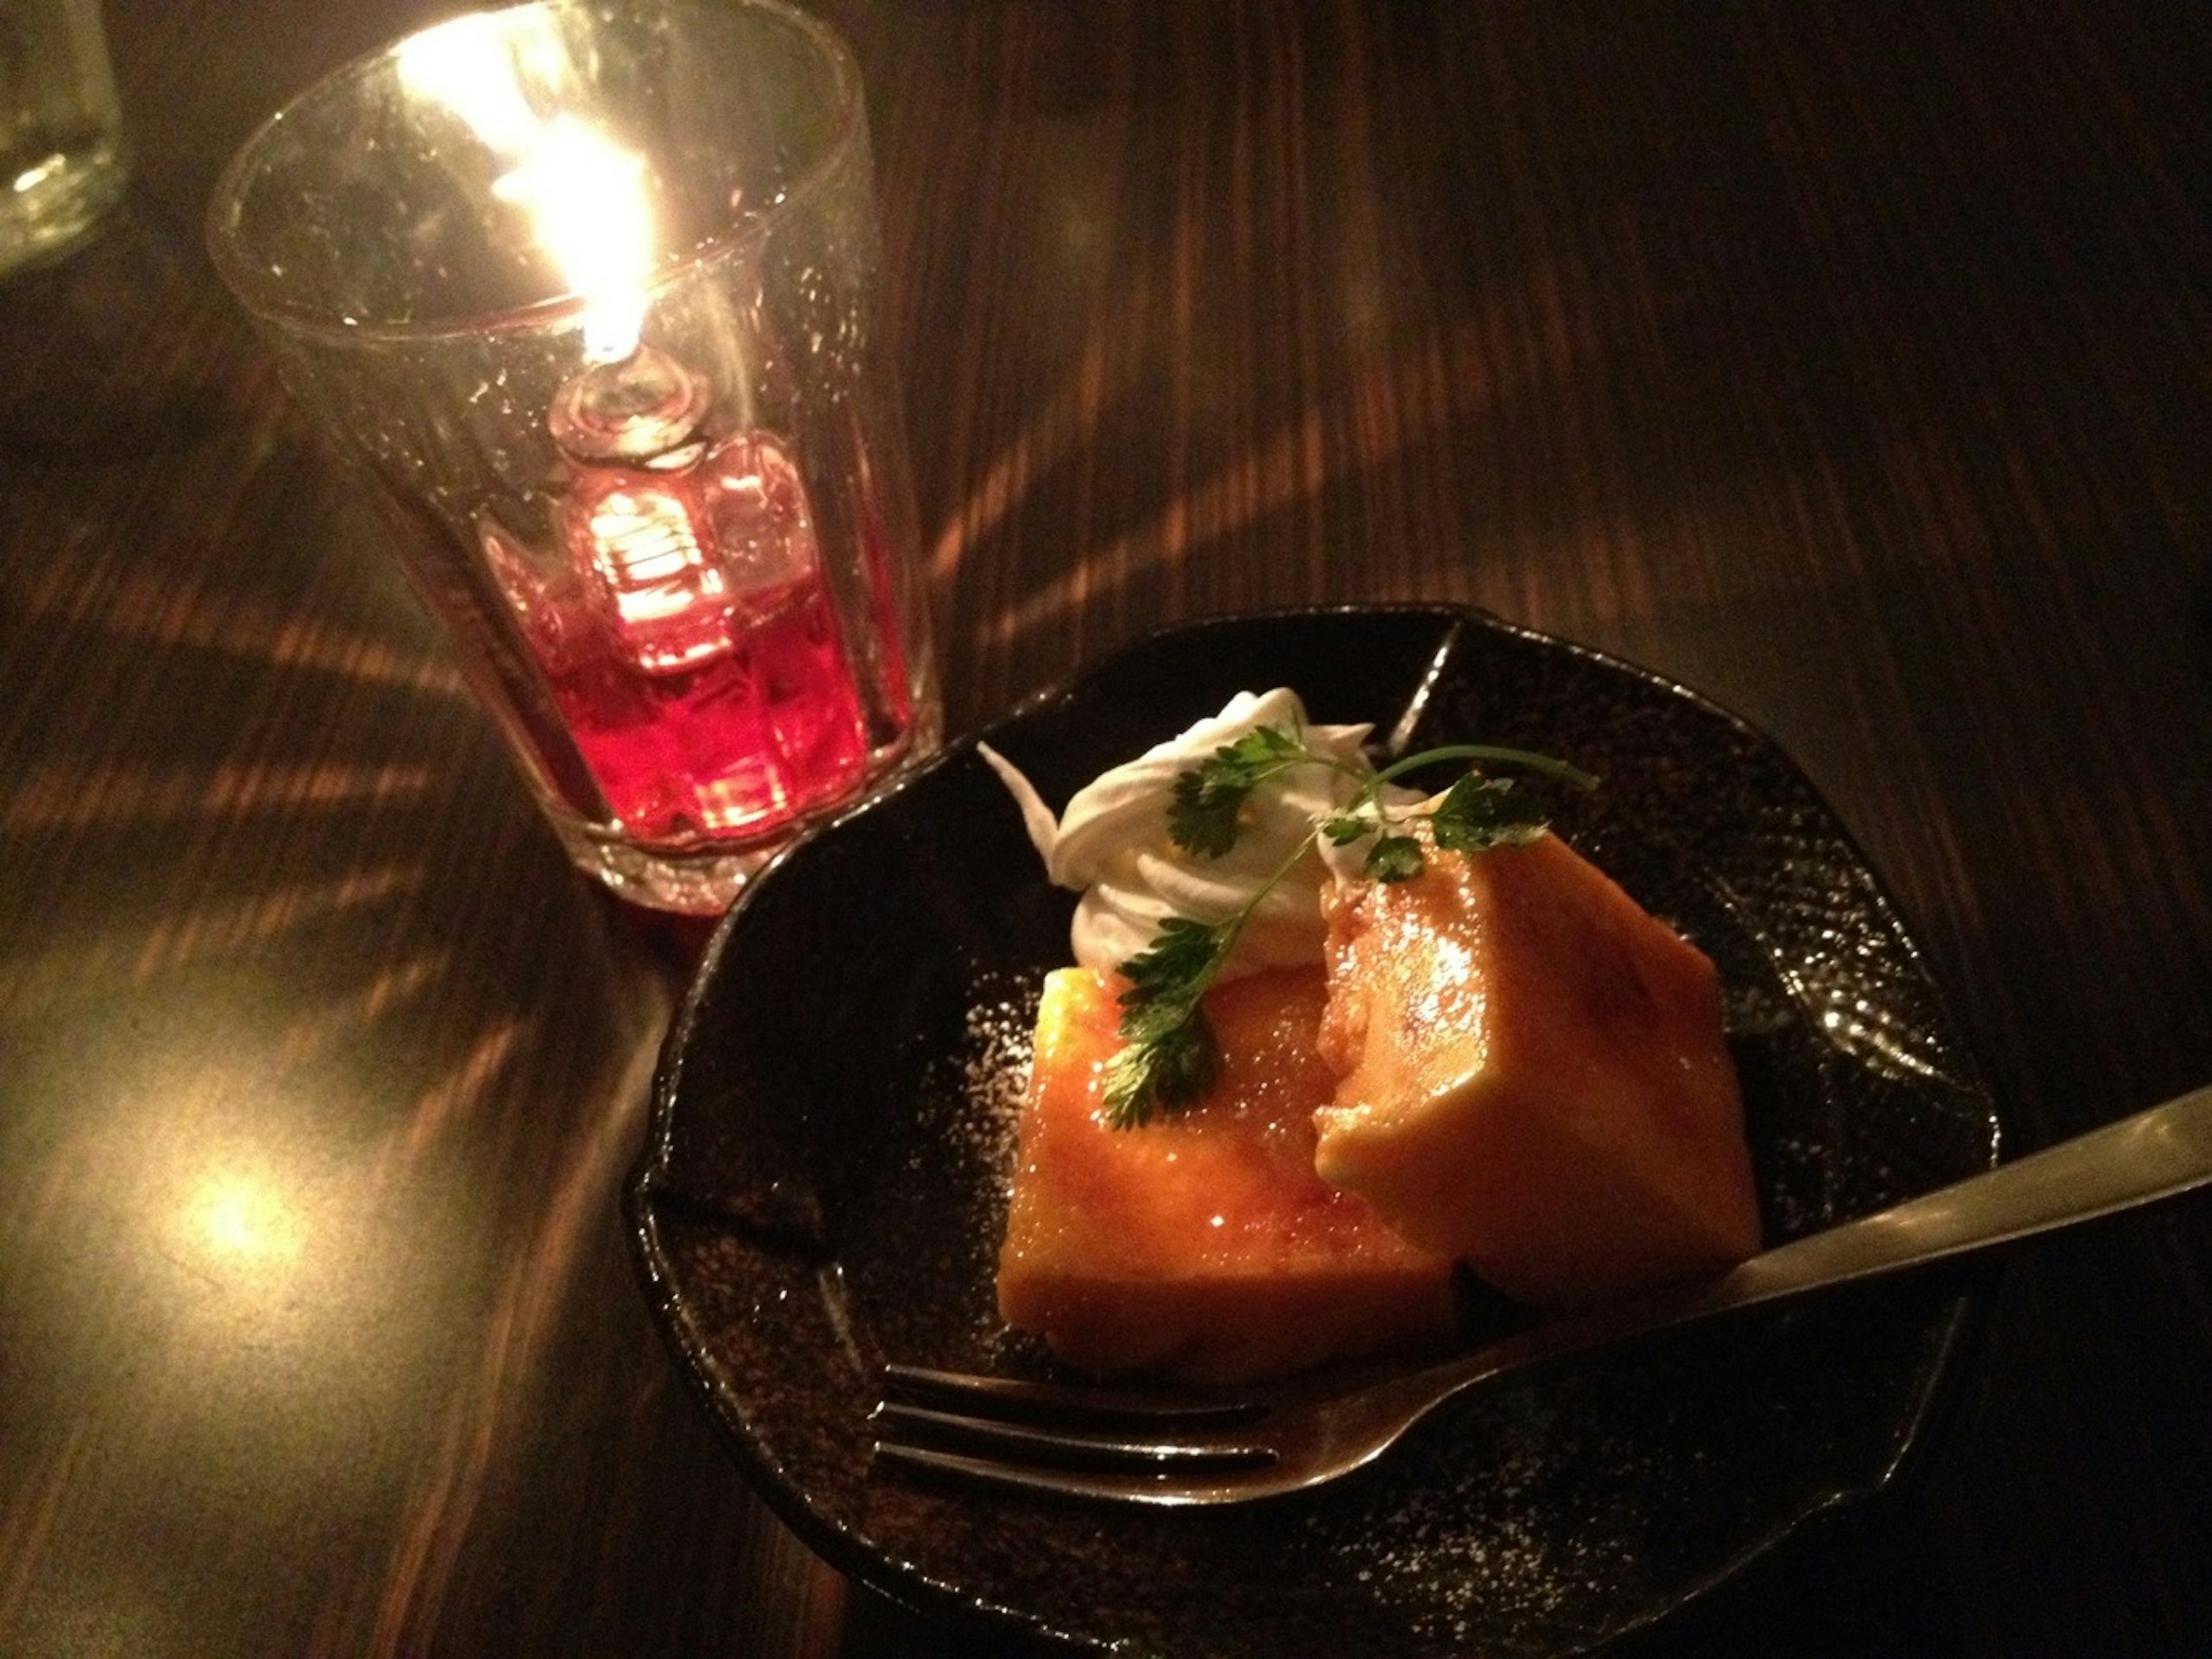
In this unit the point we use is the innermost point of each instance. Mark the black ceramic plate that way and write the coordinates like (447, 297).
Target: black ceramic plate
(825, 1182)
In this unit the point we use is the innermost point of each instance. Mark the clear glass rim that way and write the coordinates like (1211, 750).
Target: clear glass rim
(245, 279)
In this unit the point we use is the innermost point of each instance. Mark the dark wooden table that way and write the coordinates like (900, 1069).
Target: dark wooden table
(1852, 363)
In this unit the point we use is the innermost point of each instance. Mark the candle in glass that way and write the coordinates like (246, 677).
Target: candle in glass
(592, 290)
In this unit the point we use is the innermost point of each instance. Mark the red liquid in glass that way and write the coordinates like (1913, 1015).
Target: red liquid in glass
(755, 736)
(689, 645)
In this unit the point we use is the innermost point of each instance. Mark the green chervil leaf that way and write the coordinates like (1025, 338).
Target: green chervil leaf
(1202, 812)
(1181, 953)
(1393, 858)
(1343, 831)
(1171, 1067)
(1476, 814)
(1167, 1059)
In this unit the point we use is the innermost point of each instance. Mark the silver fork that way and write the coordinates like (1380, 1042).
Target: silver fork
(1191, 1448)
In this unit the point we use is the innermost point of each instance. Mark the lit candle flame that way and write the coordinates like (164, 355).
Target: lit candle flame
(585, 194)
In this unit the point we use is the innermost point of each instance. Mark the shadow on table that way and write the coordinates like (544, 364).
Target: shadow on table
(105, 350)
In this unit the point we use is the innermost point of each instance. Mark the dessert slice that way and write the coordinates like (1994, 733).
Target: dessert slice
(1534, 1078)
(1201, 1246)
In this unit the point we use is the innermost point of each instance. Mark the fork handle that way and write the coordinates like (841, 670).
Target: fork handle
(2142, 1159)
(2152, 1156)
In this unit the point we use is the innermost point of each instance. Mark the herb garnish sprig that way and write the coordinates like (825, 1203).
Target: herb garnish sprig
(1168, 1057)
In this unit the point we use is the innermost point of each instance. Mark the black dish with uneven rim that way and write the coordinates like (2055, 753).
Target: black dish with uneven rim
(824, 1183)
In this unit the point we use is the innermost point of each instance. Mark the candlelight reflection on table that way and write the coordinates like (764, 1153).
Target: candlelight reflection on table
(593, 294)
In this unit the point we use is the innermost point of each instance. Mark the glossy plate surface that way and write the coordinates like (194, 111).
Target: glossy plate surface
(823, 1185)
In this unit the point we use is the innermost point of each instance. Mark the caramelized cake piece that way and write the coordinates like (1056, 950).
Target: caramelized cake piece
(1534, 1078)
(1201, 1246)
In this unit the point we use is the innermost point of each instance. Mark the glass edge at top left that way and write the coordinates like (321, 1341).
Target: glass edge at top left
(249, 282)
(510, 441)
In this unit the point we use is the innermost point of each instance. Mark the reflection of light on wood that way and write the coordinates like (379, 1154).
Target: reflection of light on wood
(144, 604)
(211, 930)
(1383, 405)
(339, 1018)
(464, 1085)
(58, 973)
(28, 1516)
(241, 1221)
(63, 796)
(495, 1401)
(1290, 469)
(1070, 418)
(1392, 407)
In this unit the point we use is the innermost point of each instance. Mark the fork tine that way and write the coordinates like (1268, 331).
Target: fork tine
(1009, 1400)
(898, 1425)
(1042, 1438)
(1160, 1488)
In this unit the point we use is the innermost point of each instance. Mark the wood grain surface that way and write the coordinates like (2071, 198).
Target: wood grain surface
(1851, 363)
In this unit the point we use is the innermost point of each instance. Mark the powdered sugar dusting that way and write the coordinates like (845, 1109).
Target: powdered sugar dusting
(969, 1116)
(1522, 1570)
(997, 1047)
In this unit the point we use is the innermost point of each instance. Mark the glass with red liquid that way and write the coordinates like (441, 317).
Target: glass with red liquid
(592, 290)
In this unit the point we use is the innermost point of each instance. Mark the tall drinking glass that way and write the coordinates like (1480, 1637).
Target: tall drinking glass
(63, 159)
(591, 289)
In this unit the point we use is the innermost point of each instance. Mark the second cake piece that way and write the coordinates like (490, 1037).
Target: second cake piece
(1534, 1078)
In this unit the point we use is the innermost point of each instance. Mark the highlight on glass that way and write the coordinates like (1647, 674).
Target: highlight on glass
(590, 290)
(64, 153)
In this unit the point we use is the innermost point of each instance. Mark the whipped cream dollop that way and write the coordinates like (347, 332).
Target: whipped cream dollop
(1112, 845)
